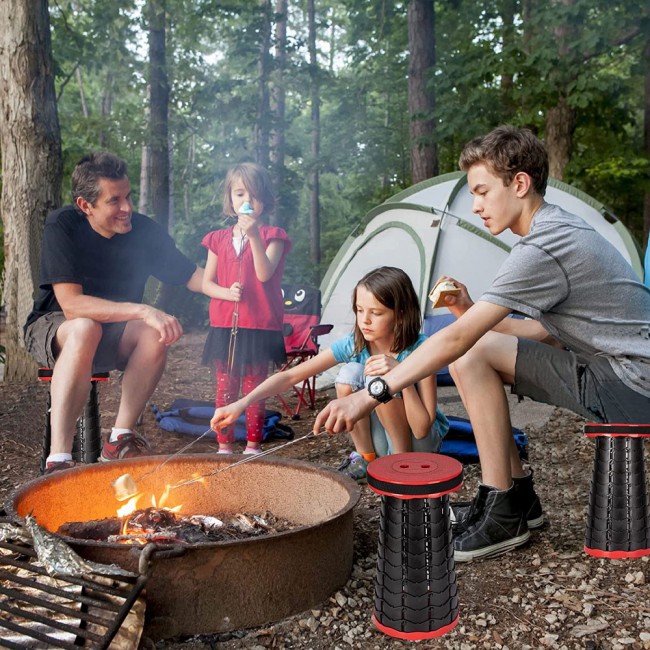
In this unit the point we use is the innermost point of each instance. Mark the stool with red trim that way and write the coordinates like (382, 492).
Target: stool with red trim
(87, 445)
(415, 584)
(618, 520)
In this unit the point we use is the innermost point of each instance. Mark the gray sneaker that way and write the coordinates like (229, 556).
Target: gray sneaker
(494, 525)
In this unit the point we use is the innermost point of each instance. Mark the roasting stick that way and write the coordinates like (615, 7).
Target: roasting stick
(125, 487)
(248, 459)
(246, 208)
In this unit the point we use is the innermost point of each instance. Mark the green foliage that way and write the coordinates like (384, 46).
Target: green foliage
(489, 70)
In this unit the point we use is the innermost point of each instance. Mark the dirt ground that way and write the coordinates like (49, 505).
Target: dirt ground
(549, 594)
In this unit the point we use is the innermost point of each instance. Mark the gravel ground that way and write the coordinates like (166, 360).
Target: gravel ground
(548, 594)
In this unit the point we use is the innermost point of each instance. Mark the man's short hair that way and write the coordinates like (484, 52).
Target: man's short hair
(88, 172)
(507, 151)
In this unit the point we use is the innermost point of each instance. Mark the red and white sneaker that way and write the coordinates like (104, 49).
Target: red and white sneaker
(127, 445)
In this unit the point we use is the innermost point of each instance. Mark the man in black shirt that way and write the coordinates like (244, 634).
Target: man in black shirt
(89, 317)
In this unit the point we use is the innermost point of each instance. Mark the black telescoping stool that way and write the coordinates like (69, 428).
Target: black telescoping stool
(87, 444)
(618, 520)
(415, 584)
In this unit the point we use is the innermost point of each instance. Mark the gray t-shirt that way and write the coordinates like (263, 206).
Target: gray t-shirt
(581, 289)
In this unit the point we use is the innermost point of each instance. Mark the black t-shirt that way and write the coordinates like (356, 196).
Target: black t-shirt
(115, 269)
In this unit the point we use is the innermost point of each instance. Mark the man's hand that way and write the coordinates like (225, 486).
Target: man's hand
(167, 326)
(342, 414)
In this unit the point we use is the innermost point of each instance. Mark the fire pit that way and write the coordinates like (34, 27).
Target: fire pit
(214, 587)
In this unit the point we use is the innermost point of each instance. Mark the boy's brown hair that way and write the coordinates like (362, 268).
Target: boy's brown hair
(257, 181)
(506, 151)
(393, 289)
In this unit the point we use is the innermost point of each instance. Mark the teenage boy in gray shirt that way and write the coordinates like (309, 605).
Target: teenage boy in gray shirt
(587, 349)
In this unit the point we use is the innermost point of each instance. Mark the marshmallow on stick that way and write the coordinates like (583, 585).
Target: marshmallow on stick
(440, 290)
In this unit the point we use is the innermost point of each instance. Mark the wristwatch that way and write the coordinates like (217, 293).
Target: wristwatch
(378, 389)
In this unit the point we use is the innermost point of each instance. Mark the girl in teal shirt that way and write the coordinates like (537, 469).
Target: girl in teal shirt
(386, 331)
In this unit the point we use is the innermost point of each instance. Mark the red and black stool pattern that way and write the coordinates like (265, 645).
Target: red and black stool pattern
(618, 519)
(415, 583)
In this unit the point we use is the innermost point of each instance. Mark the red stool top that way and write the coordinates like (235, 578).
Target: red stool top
(617, 430)
(45, 374)
(415, 475)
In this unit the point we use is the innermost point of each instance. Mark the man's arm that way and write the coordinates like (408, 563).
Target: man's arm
(75, 304)
(196, 281)
(438, 351)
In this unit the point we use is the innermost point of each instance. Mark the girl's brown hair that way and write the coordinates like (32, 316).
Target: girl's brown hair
(393, 289)
(257, 181)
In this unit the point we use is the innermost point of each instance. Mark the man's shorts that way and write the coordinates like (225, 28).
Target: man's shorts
(584, 384)
(40, 338)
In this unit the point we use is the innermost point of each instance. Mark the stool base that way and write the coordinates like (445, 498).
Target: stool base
(617, 555)
(414, 636)
(618, 519)
(87, 443)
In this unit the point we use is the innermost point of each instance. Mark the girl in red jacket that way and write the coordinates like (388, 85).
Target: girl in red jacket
(243, 275)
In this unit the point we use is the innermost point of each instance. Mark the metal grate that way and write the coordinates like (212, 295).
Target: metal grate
(38, 611)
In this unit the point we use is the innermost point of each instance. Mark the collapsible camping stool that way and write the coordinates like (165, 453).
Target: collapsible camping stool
(88, 438)
(618, 520)
(301, 331)
(415, 584)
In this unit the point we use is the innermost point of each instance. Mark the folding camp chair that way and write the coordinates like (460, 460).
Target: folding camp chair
(301, 332)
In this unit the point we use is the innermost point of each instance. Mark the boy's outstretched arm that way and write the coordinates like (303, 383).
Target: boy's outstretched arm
(441, 349)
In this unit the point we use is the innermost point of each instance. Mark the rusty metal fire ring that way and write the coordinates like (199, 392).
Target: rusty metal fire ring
(220, 586)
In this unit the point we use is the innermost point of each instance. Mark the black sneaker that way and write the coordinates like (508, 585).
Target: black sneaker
(530, 503)
(495, 524)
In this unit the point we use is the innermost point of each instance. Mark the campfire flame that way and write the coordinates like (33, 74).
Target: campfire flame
(131, 506)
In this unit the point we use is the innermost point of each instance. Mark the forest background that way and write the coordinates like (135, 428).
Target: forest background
(345, 102)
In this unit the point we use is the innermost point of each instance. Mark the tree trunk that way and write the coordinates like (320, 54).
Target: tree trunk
(82, 94)
(507, 9)
(560, 119)
(188, 178)
(421, 97)
(159, 171)
(107, 107)
(159, 110)
(278, 106)
(262, 126)
(314, 206)
(30, 141)
(145, 162)
(560, 123)
(145, 167)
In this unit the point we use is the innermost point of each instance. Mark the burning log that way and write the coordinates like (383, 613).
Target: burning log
(98, 529)
(162, 525)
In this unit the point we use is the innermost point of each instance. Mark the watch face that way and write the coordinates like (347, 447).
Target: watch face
(376, 387)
